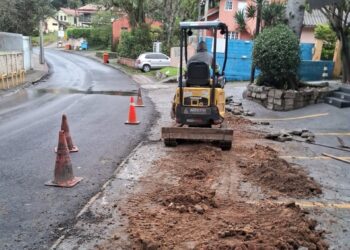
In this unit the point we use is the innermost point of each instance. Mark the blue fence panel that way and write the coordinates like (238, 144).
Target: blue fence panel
(312, 70)
(306, 51)
(239, 61)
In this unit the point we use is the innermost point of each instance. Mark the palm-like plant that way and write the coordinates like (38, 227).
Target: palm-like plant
(269, 13)
(262, 10)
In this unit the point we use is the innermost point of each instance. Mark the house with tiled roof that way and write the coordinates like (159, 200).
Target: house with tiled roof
(68, 16)
(78, 17)
(311, 20)
(86, 12)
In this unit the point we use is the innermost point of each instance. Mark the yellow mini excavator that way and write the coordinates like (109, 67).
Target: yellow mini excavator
(199, 102)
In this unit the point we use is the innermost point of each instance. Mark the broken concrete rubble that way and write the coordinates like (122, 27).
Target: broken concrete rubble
(283, 136)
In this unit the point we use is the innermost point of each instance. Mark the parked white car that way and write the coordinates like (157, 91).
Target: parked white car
(150, 60)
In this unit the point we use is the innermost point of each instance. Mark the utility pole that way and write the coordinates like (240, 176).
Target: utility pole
(199, 10)
(42, 58)
(206, 8)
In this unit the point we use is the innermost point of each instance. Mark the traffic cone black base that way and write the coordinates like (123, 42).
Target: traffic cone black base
(73, 150)
(67, 184)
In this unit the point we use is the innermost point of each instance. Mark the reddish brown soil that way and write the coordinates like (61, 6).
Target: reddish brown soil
(262, 166)
(191, 200)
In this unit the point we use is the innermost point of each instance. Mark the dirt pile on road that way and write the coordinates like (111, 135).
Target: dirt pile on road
(194, 212)
(191, 199)
(262, 166)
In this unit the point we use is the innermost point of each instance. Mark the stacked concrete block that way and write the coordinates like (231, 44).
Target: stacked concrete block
(284, 100)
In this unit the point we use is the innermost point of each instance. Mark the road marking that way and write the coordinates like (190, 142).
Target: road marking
(290, 118)
(313, 157)
(334, 133)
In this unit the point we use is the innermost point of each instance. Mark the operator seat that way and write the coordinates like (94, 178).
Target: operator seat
(198, 75)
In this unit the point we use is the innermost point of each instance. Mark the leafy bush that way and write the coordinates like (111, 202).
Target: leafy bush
(327, 35)
(98, 37)
(78, 33)
(132, 44)
(276, 54)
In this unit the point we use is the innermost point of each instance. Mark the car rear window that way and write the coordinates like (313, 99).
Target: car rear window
(161, 56)
(151, 56)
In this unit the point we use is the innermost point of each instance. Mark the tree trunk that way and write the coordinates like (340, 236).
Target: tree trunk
(345, 56)
(257, 31)
(295, 14)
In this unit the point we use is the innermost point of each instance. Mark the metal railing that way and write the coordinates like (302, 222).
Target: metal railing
(11, 69)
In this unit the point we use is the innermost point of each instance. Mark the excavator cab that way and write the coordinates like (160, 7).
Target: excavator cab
(199, 102)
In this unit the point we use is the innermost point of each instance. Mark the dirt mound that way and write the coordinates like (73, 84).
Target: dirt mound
(234, 225)
(191, 200)
(264, 168)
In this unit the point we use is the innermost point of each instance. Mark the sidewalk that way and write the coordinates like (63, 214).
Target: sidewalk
(38, 72)
(196, 196)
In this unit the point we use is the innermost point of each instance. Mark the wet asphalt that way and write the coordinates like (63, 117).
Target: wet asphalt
(95, 99)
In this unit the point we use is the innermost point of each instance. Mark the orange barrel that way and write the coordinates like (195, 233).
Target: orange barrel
(105, 57)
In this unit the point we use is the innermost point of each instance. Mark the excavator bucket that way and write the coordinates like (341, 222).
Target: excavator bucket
(223, 136)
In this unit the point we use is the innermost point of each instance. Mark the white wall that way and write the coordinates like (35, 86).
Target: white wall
(27, 53)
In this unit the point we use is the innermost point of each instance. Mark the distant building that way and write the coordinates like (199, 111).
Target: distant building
(122, 24)
(86, 12)
(311, 20)
(81, 17)
(224, 10)
(53, 25)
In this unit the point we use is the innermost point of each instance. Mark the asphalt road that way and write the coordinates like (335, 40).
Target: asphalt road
(95, 98)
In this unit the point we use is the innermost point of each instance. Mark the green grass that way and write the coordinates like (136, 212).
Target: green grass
(48, 39)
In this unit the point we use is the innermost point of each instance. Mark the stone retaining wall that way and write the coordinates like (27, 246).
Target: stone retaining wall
(284, 100)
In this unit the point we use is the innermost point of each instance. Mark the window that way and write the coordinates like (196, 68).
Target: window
(61, 18)
(232, 35)
(54, 24)
(161, 56)
(228, 5)
(65, 18)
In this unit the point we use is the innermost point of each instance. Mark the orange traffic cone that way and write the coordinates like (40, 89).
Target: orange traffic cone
(64, 126)
(63, 176)
(139, 102)
(132, 114)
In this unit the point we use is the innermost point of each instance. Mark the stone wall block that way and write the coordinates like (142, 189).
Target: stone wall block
(278, 101)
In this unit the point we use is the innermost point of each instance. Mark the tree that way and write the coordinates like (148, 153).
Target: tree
(339, 20)
(23, 16)
(295, 10)
(327, 35)
(262, 10)
(135, 9)
(276, 54)
(270, 14)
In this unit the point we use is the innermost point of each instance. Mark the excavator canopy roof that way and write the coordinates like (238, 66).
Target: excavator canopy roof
(202, 25)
